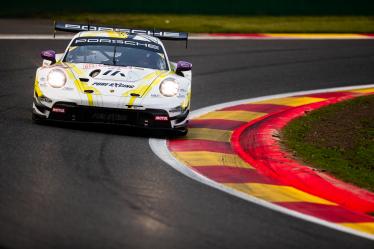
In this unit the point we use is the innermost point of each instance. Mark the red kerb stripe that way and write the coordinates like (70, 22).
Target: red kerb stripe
(233, 175)
(220, 124)
(330, 95)
(266, 108)
(327, 212)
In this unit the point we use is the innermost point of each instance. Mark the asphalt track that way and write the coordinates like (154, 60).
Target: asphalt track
(98, 187)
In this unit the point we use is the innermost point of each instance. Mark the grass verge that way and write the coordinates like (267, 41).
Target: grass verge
(231, 24)
(338, 139)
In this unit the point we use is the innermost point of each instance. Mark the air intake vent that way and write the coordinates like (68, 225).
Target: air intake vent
(95, 73)
(84, 79)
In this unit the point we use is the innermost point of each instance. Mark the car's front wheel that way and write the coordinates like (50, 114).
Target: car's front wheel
(180, 132)
(36, 118)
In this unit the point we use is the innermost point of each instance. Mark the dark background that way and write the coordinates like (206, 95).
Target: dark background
(44, 8)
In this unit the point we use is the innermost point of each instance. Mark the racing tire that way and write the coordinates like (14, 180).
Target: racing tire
(36, 118)
(180, 133)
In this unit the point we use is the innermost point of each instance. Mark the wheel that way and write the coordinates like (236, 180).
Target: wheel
(36, 118)
(183, 132)
(180, 133)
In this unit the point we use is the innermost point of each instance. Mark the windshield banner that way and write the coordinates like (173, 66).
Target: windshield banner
(116, 42)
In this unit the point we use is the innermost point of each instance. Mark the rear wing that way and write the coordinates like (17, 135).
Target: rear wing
(163, 35)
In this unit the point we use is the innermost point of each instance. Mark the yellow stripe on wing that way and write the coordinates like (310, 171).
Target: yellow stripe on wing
(145, 88)
(37, 88)
(157, 81)
(186, 101)
(141, 88)
(82, 86)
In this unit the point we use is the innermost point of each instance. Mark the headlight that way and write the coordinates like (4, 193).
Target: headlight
(56, 78)
(169, 87)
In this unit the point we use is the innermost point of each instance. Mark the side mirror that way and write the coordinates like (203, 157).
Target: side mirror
(49, 55)
(183, 66)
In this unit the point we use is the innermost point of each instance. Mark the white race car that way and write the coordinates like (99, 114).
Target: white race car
(115, 76)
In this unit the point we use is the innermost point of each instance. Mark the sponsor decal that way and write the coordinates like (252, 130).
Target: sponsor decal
(136, 107)
(161, 118)
(59, 110)
(93, 66)
(68, 88)
(129, 31)
(114, 73)
(122, 85)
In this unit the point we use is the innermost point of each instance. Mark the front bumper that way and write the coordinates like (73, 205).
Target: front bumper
(144, 118)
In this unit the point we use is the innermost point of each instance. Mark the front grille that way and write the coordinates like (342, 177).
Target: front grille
(142, 118)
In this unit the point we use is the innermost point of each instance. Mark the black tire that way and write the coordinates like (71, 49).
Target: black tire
(180, 133)
(36, 118)
(184, 132)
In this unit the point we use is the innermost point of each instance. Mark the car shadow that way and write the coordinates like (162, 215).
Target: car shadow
(111, 129)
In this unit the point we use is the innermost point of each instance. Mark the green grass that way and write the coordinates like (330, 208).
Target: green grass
(338, 139)
(231, 24)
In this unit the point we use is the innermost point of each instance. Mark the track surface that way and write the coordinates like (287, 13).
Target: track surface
(68, 187)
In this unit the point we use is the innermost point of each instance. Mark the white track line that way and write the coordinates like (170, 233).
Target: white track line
(159, 147)
(34, 37)
(191, 37)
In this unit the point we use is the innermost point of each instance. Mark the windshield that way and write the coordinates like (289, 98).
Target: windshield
(117, 52)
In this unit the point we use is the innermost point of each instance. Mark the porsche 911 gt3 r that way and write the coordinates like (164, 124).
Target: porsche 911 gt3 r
(114, 76)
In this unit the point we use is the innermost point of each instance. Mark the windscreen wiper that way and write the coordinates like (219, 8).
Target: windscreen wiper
(114, 55)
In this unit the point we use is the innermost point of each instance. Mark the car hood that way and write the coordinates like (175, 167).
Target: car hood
(113, 80)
